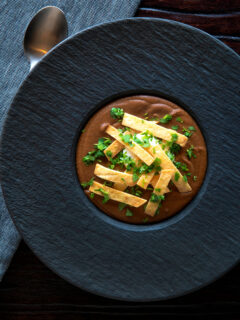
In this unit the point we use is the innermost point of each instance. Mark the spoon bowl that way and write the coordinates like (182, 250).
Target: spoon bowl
(47, 28)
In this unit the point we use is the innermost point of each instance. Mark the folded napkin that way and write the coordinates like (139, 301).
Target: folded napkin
(14, 18)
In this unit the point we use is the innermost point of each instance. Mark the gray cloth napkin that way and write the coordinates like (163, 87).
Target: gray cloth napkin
(14, 18)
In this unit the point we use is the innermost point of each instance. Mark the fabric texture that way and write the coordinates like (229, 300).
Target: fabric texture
(14, 67)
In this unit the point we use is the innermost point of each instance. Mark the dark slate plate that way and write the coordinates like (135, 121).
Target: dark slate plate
(65, 230)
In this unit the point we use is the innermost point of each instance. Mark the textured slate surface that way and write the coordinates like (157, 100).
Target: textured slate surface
(67, 232)
(14, 18)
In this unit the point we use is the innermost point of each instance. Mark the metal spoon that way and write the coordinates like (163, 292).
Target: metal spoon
(47, 28)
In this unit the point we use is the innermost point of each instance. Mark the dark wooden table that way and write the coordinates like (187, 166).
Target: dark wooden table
(30, 291)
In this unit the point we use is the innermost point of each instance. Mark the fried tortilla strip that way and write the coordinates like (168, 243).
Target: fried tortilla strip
(159, 189)
(157, 130)
(115, 147)
(145, 179)
(117, 195)
(119, 186)
(114, 175)
(155, 180)
(166, 163)
(123, 186)
(136, 149)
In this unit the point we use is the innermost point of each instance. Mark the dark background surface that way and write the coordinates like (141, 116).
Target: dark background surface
(31, 291)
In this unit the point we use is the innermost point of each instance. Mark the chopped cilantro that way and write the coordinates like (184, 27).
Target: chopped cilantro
(121, 206)
(174, 137)
(104, 193)
(92, 195)
(190, 152)
(166, 118)
(126, 138)
(191, 128)
(175, 148)
(156, 198)
(178, 119)
(128, 213)
(86, 184)
(170, 155)
(97, 153)
(117, 113)
(108, 183)
(185, 178)
(145, 219)
(109, 153)
(158, 190)
(136, 191)
(194, 178)
(176, 176)
(135, 177)
(181, 166)
(187, 132)
(175, 127)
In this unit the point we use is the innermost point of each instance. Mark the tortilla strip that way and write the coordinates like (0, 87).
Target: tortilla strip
(114, 175)
(155, 180)
(166, 163)
(161, 184)
(117, 195)
(157, 130)
(145, 179)
(115, 147)
(136, 149)
(119, 186)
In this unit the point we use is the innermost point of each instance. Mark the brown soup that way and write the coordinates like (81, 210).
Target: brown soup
(146, 107)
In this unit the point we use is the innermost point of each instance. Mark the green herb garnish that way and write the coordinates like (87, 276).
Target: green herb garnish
(190, 152)
(181, 166)
(187, 132)
(128, 213)
(104, 193)
(175, 127)
(194, 178)
(87, 184)
(185, 178)
(121, 206)
(176, 176)
(191, 128)
(135, 177)
(92, 195)
(117, 113)
(97, 153)
(145, 220)
(109, 153)
(156, 198)
(178, 119)
(166, 118)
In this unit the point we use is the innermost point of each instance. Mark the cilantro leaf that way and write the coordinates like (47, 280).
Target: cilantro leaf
(135, 177)
(104, 193)
(156, 198)
(86, 184)
(117, 113)
(178, 119)
(121, 206)
(128, 213)
(166, 118)
(190, 152)
(176, 176)
(175, 127)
